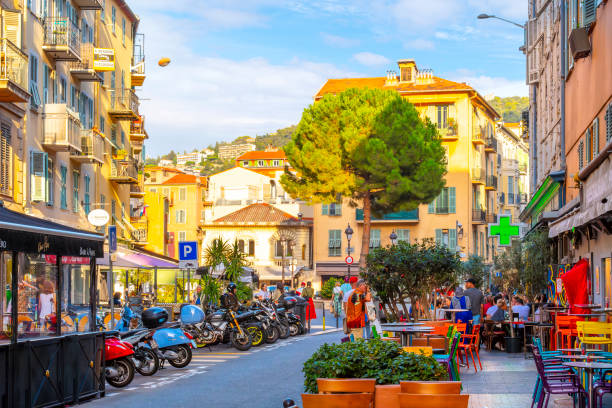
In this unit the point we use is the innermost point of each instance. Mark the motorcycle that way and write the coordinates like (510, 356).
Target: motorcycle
(295, 323)
(169, 341)
(119, 370)
(129, 319)
(224, 325)
(145, 359)
(277, 329)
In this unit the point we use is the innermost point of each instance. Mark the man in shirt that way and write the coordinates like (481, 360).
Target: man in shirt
(263, 293)
(476, 299)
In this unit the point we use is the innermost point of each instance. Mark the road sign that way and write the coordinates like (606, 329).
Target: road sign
(348, 260)
(188, 255)
(112, 238)
(504, 230)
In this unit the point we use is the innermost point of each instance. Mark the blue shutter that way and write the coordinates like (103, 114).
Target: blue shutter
(439, 236)
(595, 137)
(589, 12)
(431, 208)
(86, 196)
(38, 176)
(452, 239)
(325, 209)
(451, 200)
(63, 194)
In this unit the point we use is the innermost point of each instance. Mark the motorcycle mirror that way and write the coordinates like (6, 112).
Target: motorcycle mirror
(288, 403)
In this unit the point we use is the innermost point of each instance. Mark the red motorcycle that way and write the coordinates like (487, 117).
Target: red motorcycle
(120, 369)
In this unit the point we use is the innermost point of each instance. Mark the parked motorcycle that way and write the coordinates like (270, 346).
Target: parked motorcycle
(145, 359)
(119, 371)
(295, 323)
(224, 325)
(129, 319)
(168, 340)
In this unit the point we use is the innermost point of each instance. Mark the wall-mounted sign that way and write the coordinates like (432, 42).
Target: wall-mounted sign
(103, 59)
(98, 217)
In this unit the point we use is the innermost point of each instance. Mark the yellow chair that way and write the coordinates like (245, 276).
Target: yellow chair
(424, 350)
(594, 332)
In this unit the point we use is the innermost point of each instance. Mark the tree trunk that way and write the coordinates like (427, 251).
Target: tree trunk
(403, 303)
(365, 238)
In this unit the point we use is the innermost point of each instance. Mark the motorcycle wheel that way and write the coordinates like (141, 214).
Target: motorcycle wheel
(294, 329)
(272, 334)
(257, 335)
(284, 331)
(126, 373)
(184, 358)
(240, 342)
(149, 362)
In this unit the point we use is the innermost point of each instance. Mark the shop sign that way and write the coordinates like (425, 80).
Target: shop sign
(44, 244)
(103, 59)
(98, 218)
(67, 260)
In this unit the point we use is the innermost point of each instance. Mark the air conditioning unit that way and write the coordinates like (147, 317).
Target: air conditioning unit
(579, 43)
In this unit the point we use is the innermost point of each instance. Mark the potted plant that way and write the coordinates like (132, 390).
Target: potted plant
(452, 126)
(120, 154)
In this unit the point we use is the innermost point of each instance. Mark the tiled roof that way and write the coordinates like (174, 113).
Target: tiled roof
(185, 179)
(335, 86)
(160, 168)
(262, 155)
(257, 213)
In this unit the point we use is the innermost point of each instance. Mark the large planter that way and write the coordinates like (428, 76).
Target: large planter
(386, 395)
(513, 344)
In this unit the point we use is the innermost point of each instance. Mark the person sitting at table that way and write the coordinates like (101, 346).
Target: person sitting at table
(498, 314)
(518, 306)
(487, 304)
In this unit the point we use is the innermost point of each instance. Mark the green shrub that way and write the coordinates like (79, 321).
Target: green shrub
(327, 290)
(383, 360)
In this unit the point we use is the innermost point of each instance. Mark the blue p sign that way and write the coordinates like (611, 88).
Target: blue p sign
(188, 251)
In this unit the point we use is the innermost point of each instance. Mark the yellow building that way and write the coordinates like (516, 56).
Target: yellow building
(183, 214)
(459, 216)
(72, 137)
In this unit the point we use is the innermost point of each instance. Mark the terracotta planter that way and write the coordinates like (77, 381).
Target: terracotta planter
(386, 396)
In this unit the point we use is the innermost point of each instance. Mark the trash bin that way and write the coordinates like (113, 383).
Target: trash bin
(300, 309)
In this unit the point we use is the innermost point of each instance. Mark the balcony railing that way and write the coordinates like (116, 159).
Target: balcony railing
(137, 129)
(88, 4)
(138, 61)
(92, 147)
(124, 171)
(13, 73)
(124, 105)
(491, 144)
(62, 40)
(491, 182)
(477, 134)
(62, 128)
(140, 232)
(449, 133)
(478, 175)
(83, 69)
(479, 215)
(522, 168)
(396, 216)
(491, 218)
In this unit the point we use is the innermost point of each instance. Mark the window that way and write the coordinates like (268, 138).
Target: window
(6, 160)
(113, 18)
(182, 194)
(260, 163)
(475, 239)
(589, 145)
(595, 138)
(166, 191)
(86, 203)
(49, 181)
(406, 74)
(609, 123)
(335, 243)
(245, 163)
(442, 116)
(276, 163)
(482, 242)
(75, 191)
(334, 209)
(581, 155)
(403, 235)
(113, 212)
(38, 176)
(101, 124)
(63, 192)
(251, 247)
(278, 249)
(241, 245)
(374, 238)
(46, 79)
(123, 32)
(113, 80)
(35, 99)
(182, 236)
(62, 90)
(303, 252)
(510, 190)
(180, 217)
(445, 203)
(103, 11)
(447, 237)
(122, 138)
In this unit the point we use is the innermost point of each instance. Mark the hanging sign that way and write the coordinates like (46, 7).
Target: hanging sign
(103, 59)
(98, 217)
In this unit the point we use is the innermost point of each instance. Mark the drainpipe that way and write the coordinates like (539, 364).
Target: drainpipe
(563, 74)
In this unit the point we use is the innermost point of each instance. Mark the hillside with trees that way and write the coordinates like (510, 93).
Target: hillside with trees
(511, 108)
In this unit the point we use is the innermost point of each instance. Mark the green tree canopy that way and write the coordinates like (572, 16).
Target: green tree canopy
(367, 145)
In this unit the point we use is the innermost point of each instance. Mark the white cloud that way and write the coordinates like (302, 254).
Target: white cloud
(487, 85)
(338, 41)
(370, 59)
(419, 44)
(442, 35)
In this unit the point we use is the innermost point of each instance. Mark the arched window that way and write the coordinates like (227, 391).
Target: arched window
(272, 189)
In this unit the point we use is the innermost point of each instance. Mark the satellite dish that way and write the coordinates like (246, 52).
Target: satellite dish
(164, 62)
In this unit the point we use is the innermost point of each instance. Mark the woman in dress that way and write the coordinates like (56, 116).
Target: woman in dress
(337, 299)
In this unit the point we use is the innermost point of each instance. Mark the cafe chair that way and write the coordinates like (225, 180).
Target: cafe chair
(433, 400)
(470, 345)
(601, 387)
(430, 387)
(566, 328)
(346, 385)
(360, 400)
(450, 360)
(596, 333)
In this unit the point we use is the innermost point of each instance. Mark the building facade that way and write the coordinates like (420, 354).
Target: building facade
(231, 151)
(72, 134)
(459, 216)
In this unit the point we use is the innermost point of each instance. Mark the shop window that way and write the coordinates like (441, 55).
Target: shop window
(76, 281)
(6, 300)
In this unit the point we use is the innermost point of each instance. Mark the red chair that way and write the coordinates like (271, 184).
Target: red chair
(565, 326)
(469, 345)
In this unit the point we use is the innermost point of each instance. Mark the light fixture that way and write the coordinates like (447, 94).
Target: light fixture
(349, 232)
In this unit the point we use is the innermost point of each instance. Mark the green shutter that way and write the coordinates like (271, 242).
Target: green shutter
(452, 239)
(589, 12)
(439, 236)
(325, 210)
(580, 155)
(595, 137)
(431, 209)
(451, 200)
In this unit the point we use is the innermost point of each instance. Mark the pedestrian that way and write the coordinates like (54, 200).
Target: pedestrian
(476, 299)
(337, 299)
(345, 287)
(301, 288)
(353, 283)
(356, 309)
(460, 301)
(263, 292)
(308, 294)
(198, 296)
(277, 294)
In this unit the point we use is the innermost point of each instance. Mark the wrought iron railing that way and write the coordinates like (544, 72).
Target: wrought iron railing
(14, 64)
(60, 31)
(92, 145)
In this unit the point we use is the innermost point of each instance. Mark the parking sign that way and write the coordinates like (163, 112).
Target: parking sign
(112, 239)
(188, 255)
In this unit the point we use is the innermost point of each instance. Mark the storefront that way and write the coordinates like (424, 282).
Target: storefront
(47, 270)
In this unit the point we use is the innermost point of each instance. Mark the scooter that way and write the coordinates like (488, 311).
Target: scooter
(125, 323)
(119, 371)
(169, 341)
(145, 359)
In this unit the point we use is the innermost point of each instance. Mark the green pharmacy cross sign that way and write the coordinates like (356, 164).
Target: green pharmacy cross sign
(504, 230)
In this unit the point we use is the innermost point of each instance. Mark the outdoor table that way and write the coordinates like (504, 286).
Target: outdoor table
(403, 324)
(582, 357)
(588, 306)
(454, 312)
(589, 368)
(570, 350)
(587, 315)
(406, 332)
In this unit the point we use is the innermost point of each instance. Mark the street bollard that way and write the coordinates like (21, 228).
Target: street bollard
(323, 303)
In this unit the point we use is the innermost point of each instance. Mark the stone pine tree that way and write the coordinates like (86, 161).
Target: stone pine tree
(369, 146)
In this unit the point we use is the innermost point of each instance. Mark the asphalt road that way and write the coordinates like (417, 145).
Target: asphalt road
(224, 377)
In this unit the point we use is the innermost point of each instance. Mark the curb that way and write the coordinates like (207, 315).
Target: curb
(325, 332)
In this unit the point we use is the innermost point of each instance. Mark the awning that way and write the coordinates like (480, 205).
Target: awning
(120, 262)
(128, 258)
(24, 233)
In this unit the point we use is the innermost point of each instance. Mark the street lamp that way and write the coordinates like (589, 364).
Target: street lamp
(393, 238)
(485, 16)
(349, 234)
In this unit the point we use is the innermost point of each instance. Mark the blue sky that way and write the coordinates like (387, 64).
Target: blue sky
(251, 66)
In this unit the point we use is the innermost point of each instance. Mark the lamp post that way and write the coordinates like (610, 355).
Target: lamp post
(485, 16)
(349, 234)
(393, 238)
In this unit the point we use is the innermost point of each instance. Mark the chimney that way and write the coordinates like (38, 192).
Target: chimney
(408, 70)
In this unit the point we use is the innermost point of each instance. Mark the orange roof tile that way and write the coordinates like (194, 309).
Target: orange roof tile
(185, 179)
(262, 155)
(258, 213)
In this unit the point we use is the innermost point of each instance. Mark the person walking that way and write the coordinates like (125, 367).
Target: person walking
(356, 309)
(476, 299)
(308, 294)
(337, 299)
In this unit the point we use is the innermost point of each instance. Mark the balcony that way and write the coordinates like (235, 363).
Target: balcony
(478, 176)
(124, 105)
(512, 198)
(137, 130)
(490, 145)
(400, 216)
(491, 218)
(522, 168)
(523, 198)
(140, 232)
(137, 146)
(124, 171)
(62, 129)
(510, 164)
(138, 61)
(92, 148)
(88, 4)
(13, 73)
(449, 134)
(491, 183)
(479, 216)
(83, 69)
(477, 135)
(136, 191)
(62, 40)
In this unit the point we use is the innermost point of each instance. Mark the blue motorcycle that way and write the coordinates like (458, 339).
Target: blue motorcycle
(169, 341)
(124, 324)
